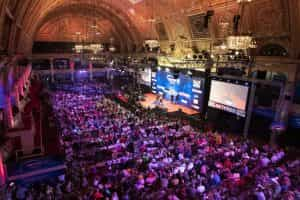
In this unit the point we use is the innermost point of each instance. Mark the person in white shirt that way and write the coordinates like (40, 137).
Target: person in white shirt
(265, 161)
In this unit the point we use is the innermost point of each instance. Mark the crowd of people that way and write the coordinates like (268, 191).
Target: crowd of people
(115, 153)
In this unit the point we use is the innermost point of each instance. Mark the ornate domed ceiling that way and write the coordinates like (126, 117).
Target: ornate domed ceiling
(70, 28)
(130, 22)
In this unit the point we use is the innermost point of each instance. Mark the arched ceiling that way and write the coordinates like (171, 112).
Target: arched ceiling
(125, 21)
(131, 18)
(131, 21)
(76, 28)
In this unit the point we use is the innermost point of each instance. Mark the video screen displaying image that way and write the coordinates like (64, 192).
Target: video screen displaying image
(229, 97)
(145, 76)
(179, 88)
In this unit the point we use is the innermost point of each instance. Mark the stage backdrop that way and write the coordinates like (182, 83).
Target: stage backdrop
(181, 88)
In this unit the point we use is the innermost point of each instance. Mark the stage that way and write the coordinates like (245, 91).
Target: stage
(168, 105)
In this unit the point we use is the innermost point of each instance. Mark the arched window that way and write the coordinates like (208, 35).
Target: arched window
(273, 50)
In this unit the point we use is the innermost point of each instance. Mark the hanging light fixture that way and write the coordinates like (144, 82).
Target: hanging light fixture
(78, 47)
(253, 44)
(223, 27)
(94, 46)
(241, 42)
(152, 43)
(243, 1)
(112, 48)
(223, 46)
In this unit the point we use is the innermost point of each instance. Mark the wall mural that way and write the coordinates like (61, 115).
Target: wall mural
(198, 28)
(161, 31)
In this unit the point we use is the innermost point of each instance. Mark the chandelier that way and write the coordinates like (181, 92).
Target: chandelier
(78, 48)
(112, 48)
(151, 44)
(96, 47)
(243, 1)
(92, 47)
(240, 42)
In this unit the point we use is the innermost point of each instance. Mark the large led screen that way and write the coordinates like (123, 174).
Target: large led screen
(180, 88)
(229, 97)
(145, 76)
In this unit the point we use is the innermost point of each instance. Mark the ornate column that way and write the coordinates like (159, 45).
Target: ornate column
(91, 70)
(52, 70)
(17, 95)
(250, 109)
(2, 171)
(280, 122)
(27, 74)
(8, 111)
(23, 80)
(11, 44)
(72, 66)
(21, 89)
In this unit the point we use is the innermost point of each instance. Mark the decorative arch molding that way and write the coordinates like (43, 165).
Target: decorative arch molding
(273, 49)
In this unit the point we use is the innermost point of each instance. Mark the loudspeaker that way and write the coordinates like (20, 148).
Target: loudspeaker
(172, 47)
(37, 151)
(236, 20)
(206, 18)
(195, 49)
(220, 71)
(264, 98)
(209, 13)
(261, 75)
